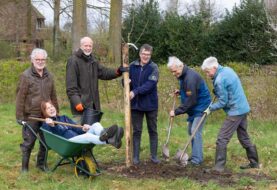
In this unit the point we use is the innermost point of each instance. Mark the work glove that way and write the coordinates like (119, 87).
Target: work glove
(207, 111)
(121, 70)
(79, 107)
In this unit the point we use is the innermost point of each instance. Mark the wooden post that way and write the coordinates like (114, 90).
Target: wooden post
(127, 108)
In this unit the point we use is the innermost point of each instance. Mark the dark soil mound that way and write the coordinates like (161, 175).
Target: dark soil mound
(166, 170)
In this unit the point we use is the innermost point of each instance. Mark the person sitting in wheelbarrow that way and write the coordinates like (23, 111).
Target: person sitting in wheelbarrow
(94, 133)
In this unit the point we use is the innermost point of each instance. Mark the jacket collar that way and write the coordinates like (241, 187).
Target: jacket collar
(219, 68)
(35, 73)
(88, 58)
(184, 72)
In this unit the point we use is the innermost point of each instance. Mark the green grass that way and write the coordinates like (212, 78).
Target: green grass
(259, 85)
(263, 135)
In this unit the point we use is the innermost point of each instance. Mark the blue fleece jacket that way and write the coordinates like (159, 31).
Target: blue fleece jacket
(63, 130)
(229, 92)
(195, 95)
(144, 81)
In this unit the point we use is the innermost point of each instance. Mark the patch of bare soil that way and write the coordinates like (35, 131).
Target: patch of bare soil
(172, 171)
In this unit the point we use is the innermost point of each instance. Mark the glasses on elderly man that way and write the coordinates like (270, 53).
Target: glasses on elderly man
(40, 60)
(146, 54)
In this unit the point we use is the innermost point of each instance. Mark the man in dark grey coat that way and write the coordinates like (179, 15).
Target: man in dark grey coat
(82, 74)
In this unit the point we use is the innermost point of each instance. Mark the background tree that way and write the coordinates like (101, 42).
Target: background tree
(114, 55)
(56, 28)
(245, 35)
(142, 25)
(79, 27)
(29, 21)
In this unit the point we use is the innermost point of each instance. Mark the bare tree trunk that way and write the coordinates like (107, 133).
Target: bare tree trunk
(29, 22)
(114, 54)
(56, 29)
(79, 27)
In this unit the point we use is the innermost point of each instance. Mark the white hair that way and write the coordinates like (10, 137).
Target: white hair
(174, 61)
(37, 51)
(209, 63)
(84, 39)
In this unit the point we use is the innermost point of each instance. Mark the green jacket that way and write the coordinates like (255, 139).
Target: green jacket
(82, 74)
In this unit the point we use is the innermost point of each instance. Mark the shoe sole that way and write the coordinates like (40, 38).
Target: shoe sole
(106, 136)
(120, 134)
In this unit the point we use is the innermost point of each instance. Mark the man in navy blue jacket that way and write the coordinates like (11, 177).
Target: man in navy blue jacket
(144, 77)
(195, 99)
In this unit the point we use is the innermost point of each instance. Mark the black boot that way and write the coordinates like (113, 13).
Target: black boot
(153, 150)
(220, 159)
(115, 140)
(136, 149)
(25, 161)
(252, 156)
(41, 162)
(108, 133)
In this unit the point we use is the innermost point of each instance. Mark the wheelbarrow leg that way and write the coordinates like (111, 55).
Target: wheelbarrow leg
(59, 163)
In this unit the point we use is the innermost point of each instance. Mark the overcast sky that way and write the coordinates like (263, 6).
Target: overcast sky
(220, 5)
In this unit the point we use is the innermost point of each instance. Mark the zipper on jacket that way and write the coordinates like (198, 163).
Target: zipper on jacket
(139, 82)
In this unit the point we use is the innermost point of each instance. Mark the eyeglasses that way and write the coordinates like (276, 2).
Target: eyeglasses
(146, 54)
(40, 60)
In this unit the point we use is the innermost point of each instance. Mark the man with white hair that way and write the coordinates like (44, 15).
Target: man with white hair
(231, 98)
(195, 98)
(82, 74)
(36, 84)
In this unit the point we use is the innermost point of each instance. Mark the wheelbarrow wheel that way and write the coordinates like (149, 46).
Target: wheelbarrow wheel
(86, 163)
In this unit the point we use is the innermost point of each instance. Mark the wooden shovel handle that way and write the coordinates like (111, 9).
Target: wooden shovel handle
(57, 122)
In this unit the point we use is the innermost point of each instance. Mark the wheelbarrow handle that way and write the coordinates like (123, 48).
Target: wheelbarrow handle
(57, 122)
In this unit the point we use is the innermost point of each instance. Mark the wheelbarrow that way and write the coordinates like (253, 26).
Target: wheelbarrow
(78, 155)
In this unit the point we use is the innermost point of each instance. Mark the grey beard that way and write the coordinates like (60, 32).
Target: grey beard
(87, 54)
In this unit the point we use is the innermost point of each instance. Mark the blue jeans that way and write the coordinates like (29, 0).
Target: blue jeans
(197, 142)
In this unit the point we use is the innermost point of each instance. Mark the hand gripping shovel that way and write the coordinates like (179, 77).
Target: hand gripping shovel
(165, 149)
(181, 155)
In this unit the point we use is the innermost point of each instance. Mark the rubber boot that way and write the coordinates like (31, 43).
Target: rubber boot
(220, 159)
(25, 161)
(108, 133)
(136, 149)
(253, 158)
(115, 140)
(153, 150)
(41, 160)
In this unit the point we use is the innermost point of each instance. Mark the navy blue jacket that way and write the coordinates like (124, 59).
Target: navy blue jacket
(195, 95)
(63, 130)
(144, 81)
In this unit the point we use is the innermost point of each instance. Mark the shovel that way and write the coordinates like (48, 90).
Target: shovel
(181, 155)
(165, 149)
